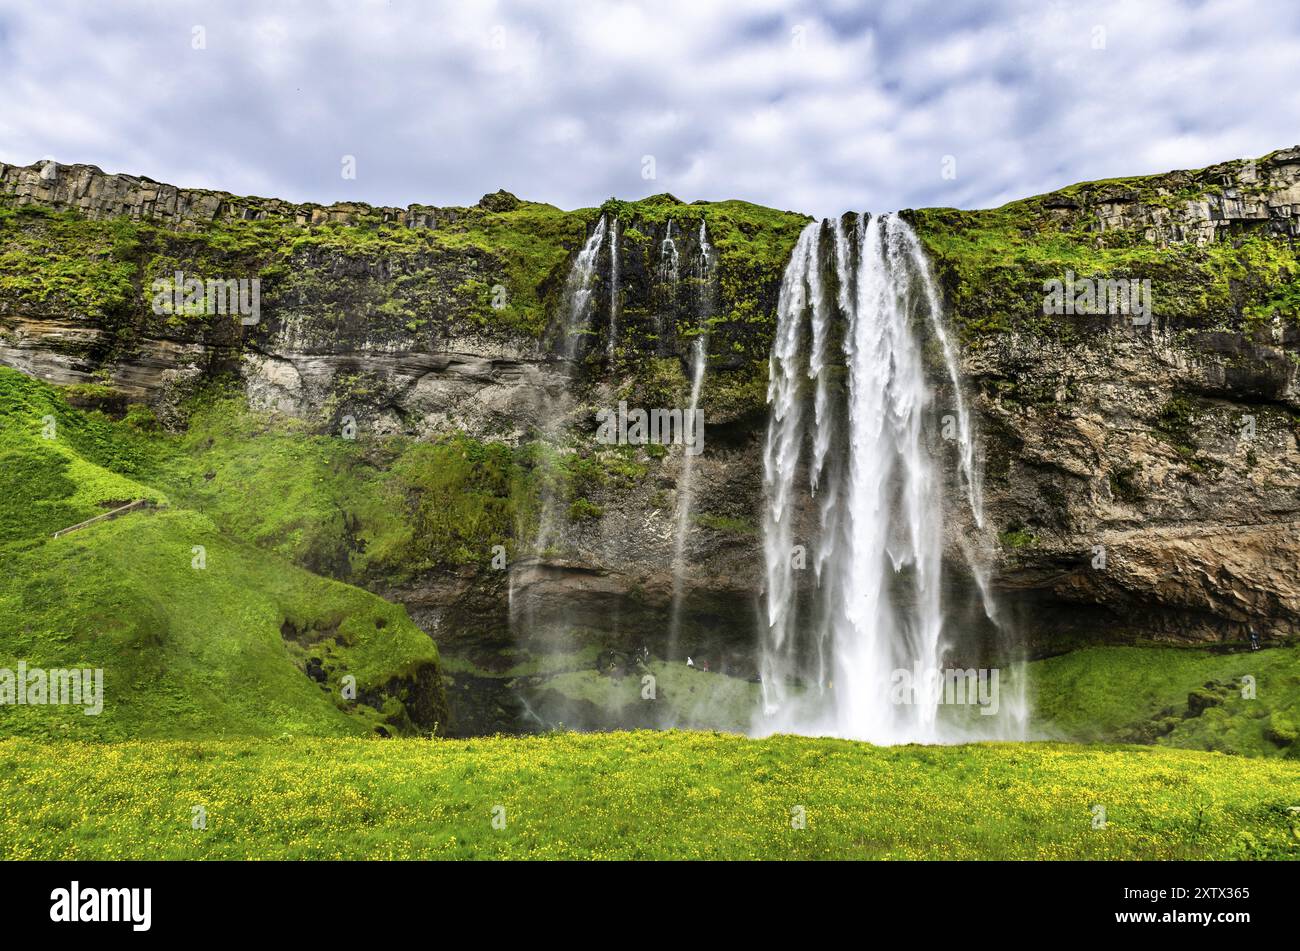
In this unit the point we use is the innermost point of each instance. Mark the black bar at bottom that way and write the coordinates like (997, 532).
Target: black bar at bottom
(332, 901)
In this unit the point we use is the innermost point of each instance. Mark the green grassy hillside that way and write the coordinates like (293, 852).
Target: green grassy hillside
(377, 511)
(638, 795)
(361, 511)
(198, 632)
(1173, 697)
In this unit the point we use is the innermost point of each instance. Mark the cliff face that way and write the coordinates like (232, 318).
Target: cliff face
(1145, 486)
(421, 320)
(1141, 475)
(1171, 441)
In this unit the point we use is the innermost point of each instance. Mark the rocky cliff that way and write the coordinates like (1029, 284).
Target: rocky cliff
(1140, 474)
(1169, 441)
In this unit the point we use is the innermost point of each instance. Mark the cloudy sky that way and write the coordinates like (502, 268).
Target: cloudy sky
(812, 106)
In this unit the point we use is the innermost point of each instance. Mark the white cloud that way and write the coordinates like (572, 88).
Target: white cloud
(819, 107)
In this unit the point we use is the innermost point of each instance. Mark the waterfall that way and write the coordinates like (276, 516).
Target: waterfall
(535, 608)
(578, 290)
(874, 509)
(780, 457)
(574, 329)
(667, 272)
(669, 259)
(613, 289)
(685, 485)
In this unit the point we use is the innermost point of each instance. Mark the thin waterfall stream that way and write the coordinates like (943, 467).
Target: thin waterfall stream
(704, 265)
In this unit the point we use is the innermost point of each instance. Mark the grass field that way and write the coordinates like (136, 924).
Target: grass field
(1173, 696)
(638, 795)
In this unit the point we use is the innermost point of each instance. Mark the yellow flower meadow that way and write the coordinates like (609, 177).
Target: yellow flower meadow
(637, 795)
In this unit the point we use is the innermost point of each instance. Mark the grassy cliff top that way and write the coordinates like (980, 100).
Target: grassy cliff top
(89, 244)
(1218, 244)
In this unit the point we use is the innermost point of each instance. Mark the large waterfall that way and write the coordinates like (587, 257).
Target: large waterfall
(855, 495)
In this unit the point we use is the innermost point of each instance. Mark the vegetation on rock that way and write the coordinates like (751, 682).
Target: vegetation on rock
(198, 632)
(1208, 269)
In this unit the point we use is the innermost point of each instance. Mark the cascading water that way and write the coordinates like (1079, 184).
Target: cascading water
(829, 659)
(667, 270)
(578, 289)
(704, 261)
(613, 289)
(685, 485)
(574, 330)
(669, 258)
(534, 609)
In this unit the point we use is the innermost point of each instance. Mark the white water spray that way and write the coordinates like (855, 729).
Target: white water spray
(578, 290)
(685, 486)
(574, 329)
(669, 259)
(613, 289)
(829, 660)
(668, 271)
